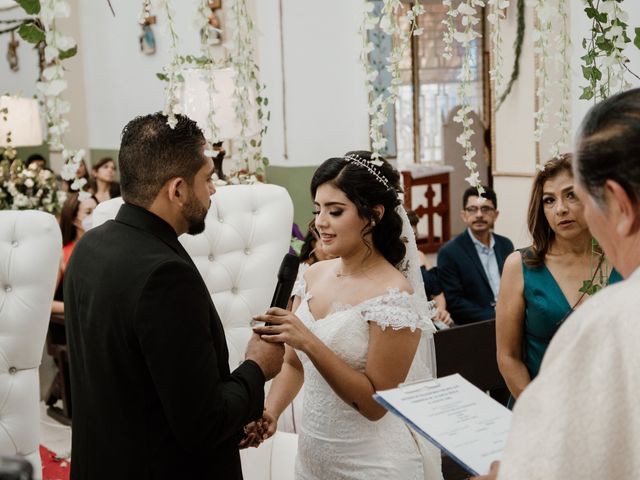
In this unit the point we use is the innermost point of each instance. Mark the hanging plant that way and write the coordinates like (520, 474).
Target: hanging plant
(248, 90)
(208, 38)
(605, 65)
(542, 32)
(517, 47)
(381, 101)
(495, 17)
(563, 57)
(171, 73)
(465, 37)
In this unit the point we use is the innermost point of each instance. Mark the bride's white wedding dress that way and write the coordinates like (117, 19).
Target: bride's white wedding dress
(335, 441)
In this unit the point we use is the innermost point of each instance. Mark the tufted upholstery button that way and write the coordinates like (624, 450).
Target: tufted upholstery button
(7, 288)
(14, 244)
(234, 290)
(247, 251)
(221, 220)
(210, 257)
(13, 370)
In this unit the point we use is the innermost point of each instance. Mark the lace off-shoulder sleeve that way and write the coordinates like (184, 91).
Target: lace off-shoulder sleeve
(300, 286)
(397, 310)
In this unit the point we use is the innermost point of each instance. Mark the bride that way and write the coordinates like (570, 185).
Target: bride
(361, 324)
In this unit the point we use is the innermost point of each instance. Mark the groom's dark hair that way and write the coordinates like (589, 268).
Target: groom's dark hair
(151, 153)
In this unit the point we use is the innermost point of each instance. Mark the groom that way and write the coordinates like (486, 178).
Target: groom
(151, 388)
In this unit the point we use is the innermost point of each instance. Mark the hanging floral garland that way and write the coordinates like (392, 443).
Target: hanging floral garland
(465, 37)
(208, 38)
(247, 88)
(52, 83)
(563, 58)
(388, 23)
(542, 32)
(171, 73)
(495, 17)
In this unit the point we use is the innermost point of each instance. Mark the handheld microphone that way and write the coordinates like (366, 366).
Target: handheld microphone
(286, 278)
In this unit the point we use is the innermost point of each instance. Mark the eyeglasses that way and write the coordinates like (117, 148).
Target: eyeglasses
(484, 209)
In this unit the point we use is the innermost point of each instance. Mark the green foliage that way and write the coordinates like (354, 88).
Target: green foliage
(31, 33)
(32, 7)
(519, 41)
(589, 287)
(597, 47)
(68, 53)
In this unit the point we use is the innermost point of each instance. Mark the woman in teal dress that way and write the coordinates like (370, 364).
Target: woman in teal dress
(541, 285)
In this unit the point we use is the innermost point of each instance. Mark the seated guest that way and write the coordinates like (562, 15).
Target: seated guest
(36, 159)
(541, 284)
(75, 220)
(103, 180)
(579, 419)
(432, 286)
(470, 265)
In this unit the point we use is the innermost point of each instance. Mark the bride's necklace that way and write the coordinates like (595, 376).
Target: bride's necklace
(340, 274)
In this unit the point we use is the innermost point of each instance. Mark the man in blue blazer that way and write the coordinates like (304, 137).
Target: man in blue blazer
(470, 265)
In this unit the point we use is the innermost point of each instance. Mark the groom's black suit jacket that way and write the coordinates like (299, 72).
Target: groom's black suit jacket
(153, 397)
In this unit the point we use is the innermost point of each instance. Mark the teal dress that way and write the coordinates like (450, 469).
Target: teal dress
(546, 308)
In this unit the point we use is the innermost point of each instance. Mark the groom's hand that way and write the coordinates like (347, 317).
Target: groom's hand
(268, 356)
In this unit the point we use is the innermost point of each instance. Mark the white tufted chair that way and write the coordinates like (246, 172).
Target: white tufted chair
(248, 231)
(30, 249)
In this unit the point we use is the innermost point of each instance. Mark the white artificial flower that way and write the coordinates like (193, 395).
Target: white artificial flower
(78, 183)
(473, 179)
(50, 53)
(29, 183)
(466, 9)
(418, 31)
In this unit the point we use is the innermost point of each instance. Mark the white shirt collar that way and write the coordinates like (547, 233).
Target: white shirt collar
(478, 243)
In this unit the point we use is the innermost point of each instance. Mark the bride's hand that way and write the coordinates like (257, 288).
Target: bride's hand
(258, 431)
(285, 327)
(269, 424)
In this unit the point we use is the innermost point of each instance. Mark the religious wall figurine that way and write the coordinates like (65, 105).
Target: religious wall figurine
(147, 37)
(214, 29)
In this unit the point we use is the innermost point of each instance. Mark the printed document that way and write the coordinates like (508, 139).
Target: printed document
(454, 415)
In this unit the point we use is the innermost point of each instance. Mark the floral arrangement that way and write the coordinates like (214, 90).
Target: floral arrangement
(23, 188)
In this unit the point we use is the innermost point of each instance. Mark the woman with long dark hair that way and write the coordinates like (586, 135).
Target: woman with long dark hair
(361, 324)
(103, 180)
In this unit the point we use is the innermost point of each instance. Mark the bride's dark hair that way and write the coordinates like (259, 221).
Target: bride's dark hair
(366, 191)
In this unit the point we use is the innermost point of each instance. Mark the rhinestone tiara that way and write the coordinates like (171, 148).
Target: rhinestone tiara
(370, 166)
